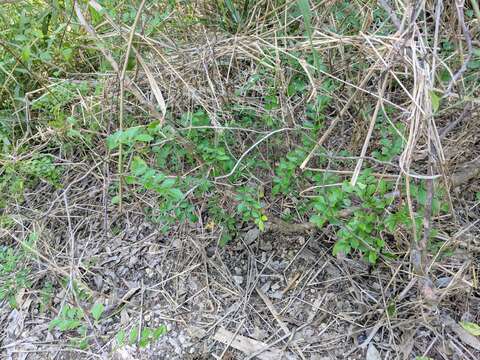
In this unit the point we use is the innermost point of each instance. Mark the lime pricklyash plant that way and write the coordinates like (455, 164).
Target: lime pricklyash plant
(361, 217)
(19, 175)
(13, 275)
(250, 207)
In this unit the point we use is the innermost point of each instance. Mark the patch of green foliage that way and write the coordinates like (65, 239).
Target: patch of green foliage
(250, 207)
(72, 322)
(18, 176)
(362, 217)
(142, 338)
(13, 274)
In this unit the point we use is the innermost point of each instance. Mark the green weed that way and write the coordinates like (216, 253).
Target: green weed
(146, 336)
(14, 276)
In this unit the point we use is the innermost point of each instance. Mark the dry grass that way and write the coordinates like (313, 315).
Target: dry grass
(284, 290)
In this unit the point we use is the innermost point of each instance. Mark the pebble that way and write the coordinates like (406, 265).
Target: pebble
(251, 235)
(176, 346)
(266, 246)
(265, 287)
(277, 295)
(238, 279)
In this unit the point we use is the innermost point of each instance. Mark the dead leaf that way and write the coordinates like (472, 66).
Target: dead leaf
(154, 86)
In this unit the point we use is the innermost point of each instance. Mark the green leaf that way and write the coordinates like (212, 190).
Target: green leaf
(168, 183)
(143, 138)
(113, 140)
(132, 339)
(120, 337)
(26, 53)
(304, 7)
(341, 247)
(45, 56)
(318, 220)
(97, 311)
(158, 332)
(176, 194)
(261, 225)
(138, 166)
(67, 54)
(224, 238)
(472, 328)
(233, 12)
(435, 101)
(145, 337)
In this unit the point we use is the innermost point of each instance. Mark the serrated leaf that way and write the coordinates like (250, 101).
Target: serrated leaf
(114, 140)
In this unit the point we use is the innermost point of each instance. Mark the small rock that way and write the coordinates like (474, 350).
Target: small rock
(266, 246)
(308, 332)
(98, 280)
(277, 295)
(176, 346)
(133, 260)
(196, 332)
(149, 272)
(443, 282)
(238, 279)
(265, 287)
(251, 235)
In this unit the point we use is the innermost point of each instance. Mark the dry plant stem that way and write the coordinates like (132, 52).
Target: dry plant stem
(459, 4)
(358, 167)
(284, 327)
(239, 327)
(476, 9)
(248, 151)
(121, 104)
(338, 118)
